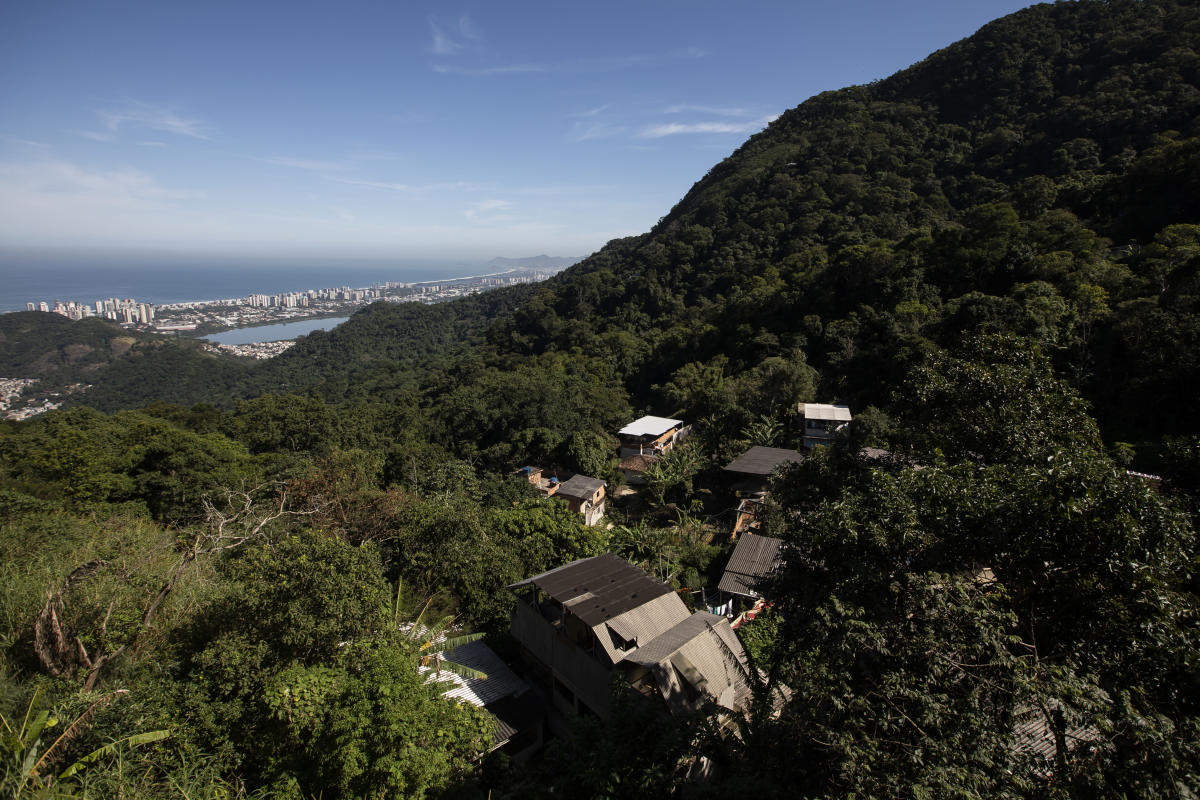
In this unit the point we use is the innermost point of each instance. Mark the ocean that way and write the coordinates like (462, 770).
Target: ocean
(27, 277)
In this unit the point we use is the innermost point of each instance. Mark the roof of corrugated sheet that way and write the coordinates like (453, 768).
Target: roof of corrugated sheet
(580, 486)
(649, 426)
(615, 585)
(499, 683)
(754, 558)
(642, 624)
(763, 460)
(706, 644)
(825, 411)
(669, 641)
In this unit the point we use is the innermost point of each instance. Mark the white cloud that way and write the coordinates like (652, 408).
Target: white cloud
(151, 143)
(144, 116)
(591, 112)
(453, 186)
(310, 164)
(482, 71)
(489, 209)
(715, 111)
(581, 132)
(452, 39)
(678, 128)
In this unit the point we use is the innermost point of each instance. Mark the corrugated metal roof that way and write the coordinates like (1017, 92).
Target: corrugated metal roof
(707, 653)
(616, 587)
(763, 460)
(754, 558)
(825, 411)
(668, 642)
(643, 624)
(649, 426)
(499, 683)
(581, 486)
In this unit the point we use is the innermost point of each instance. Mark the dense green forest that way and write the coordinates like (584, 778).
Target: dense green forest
(211, 568)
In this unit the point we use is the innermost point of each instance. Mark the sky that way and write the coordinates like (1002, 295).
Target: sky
(365, 129)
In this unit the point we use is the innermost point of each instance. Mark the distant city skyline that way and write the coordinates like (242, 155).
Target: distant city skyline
(405, 130)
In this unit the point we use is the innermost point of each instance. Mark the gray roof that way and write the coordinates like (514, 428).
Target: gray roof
(580, 486)
(754, 558)
(668, 642)
(598, 588)
(763, 460)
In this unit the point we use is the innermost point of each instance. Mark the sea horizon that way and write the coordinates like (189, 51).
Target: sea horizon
(36, 277)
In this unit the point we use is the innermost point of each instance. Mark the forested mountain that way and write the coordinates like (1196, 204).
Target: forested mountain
(992, 256)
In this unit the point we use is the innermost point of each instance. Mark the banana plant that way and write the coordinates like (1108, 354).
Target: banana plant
(431, 641)
(24, 761)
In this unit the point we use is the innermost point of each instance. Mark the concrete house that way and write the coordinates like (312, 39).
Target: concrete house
(822, 422)
(585, 496)
(650, 436)
(581, 623)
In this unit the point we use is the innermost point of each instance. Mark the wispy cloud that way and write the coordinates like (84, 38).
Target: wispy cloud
(309, 164)
(61, 178)
(504, 69)
(24, 142)
(451, 186)
(680, 128)
(143, 116)
(448, 39)
(151, 143)
(491, 210)
(591, 112)
(715, 111)
(583, 132)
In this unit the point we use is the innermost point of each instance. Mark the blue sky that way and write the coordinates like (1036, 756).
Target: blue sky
(404, 129)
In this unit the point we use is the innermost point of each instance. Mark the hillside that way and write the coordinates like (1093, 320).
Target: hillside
(223, 581)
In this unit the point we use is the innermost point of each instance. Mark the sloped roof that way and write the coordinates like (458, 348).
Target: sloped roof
(649, 426)
(754, 558)
(642, 624)
(638, 463)
(705, 650)
(499, 683)
(825, 411)
(763, 460)
(580, 486)
(598, 588)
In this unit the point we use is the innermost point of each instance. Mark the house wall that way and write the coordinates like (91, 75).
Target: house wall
(551, 646)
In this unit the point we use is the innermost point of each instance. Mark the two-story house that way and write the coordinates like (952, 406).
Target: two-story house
(583, 622)
(822, 422)
(650, 436)
(585, 496)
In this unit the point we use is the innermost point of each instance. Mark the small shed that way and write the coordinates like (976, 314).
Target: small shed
(755, 558)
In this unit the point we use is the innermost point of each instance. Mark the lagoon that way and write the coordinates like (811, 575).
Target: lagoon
(275, 333)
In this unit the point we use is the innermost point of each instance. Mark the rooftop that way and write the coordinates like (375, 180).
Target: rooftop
(763, 460)
(598, 589)
(754, 558)
(580, 486)
(650, 426)
(825, 411)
